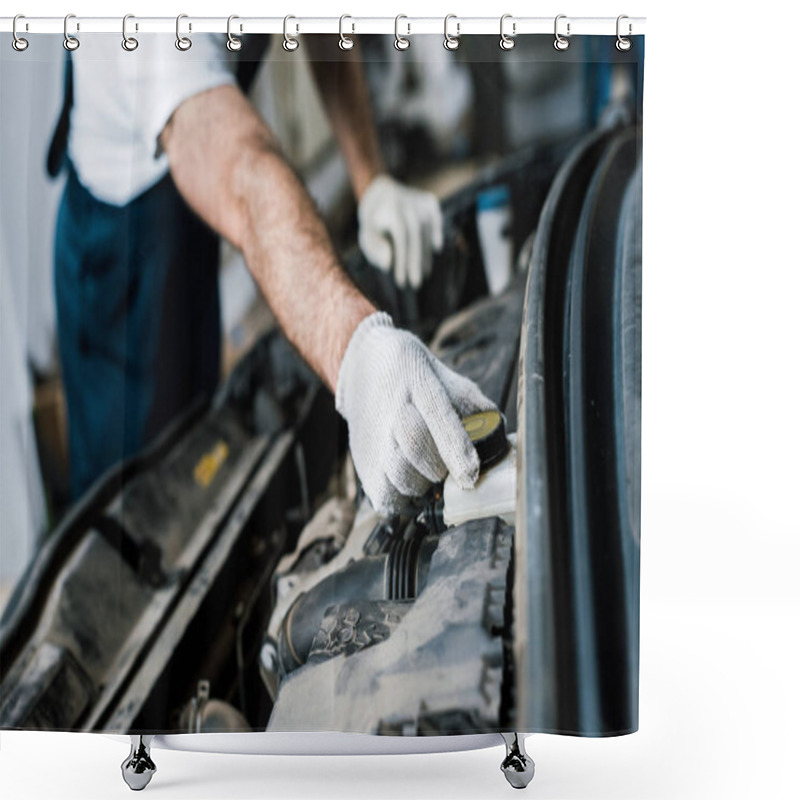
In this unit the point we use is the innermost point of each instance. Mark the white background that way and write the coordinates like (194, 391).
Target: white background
(720, 614)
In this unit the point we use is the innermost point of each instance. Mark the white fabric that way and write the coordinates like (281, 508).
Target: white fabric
(22, 503)
(404, 408)
(32, 96)
(400, 227)
(124, 99)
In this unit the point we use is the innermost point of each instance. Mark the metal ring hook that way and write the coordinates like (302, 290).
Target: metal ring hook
(290, 44)
(451, 42)
(623, 44)
(233, 44)
(400, 42)
(18, 43)
(128, 42)
(507, 42)
(70, 42)
(560, 42)
(183, 43)
(345, 42)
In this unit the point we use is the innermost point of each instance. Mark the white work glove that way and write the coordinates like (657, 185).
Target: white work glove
(401, 227)
(404, 408)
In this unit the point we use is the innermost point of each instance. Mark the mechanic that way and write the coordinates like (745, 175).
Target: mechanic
(165, 153)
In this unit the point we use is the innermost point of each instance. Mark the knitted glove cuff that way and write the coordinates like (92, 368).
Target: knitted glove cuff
(380, 319)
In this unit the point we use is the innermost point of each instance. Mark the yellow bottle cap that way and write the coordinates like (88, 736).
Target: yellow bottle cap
(487, 431)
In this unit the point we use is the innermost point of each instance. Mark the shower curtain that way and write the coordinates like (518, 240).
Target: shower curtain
(339, 423)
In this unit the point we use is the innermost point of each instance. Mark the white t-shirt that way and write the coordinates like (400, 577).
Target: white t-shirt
(123, 100)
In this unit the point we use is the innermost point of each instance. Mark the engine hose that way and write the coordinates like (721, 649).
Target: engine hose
(396, 575)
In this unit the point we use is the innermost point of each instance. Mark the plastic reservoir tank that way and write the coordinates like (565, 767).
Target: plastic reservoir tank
(495, 493)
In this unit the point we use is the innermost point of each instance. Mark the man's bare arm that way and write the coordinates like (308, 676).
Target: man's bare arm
(343, 89)
(228, 166)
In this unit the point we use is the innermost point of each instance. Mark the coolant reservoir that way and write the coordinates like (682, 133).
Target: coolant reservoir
(495, 493)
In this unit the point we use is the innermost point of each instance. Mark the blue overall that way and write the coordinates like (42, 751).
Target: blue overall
(137, 301)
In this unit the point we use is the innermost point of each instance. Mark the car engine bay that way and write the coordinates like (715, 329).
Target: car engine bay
(234, 577)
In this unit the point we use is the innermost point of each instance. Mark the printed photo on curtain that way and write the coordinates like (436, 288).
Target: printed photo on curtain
(321, 383)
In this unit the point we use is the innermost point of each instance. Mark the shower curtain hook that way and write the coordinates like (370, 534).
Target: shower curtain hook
(451, 42)
(183, 43)
(233, 44)
(290, 44)
(560, 42)
(18, 43)
(128, 42)
(345, 42)
(70, 42)
(507, 42)
(400, 42)
(623, 44)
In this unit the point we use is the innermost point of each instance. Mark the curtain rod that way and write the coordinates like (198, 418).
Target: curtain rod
(405, 25)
